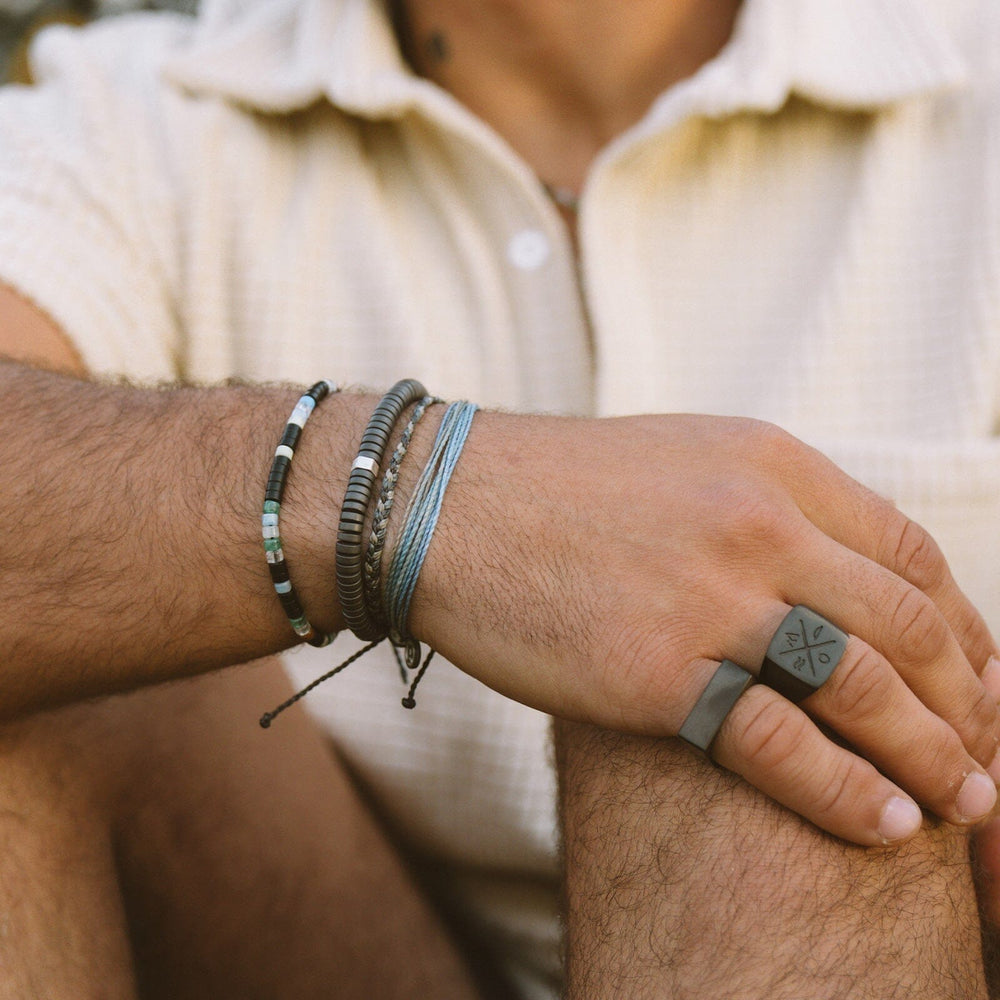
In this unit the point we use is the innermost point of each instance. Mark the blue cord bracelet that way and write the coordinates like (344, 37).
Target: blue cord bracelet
(422, 516)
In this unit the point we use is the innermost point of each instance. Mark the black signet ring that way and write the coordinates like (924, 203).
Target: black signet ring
(802, 655)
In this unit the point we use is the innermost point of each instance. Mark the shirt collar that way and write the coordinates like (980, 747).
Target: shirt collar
(860, 55)
(283, 55)
(280, 56)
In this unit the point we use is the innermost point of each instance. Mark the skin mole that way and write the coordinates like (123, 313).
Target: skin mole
(436, 46)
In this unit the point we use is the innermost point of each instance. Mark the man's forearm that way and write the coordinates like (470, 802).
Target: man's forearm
(133, 515)
(593, 569)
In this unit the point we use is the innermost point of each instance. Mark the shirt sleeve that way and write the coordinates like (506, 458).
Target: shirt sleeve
(87, 215)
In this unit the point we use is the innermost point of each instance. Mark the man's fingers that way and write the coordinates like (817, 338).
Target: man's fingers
(910, 553)
(866, 702)
(872, 526)
(777, 748)
(908, 629)
(871, 708)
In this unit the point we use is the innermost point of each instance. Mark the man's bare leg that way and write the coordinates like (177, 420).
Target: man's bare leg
(63, 930)
(684, 882)
(986, 865)
(161, 845)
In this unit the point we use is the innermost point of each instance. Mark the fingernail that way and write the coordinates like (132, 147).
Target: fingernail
(976, 798)
(991, 678)
(900, 819)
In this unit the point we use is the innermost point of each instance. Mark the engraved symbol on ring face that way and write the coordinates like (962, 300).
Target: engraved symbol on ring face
(808, 647)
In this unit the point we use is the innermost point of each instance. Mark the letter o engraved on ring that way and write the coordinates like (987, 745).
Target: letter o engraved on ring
(803, 653)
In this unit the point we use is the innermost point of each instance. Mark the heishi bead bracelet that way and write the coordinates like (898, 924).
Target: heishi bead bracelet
(271, 516)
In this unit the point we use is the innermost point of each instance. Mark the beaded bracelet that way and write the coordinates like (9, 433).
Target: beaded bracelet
(271, 516)
(357, 500)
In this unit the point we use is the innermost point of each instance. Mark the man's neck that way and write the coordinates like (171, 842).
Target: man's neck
(560, 78)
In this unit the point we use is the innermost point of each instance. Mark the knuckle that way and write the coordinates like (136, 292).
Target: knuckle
(838, 789)
(969, 630)
(981, 722)
(643, 667)
(942, 757)
(972, 634)
(860, 688)
(919, 631)
(767, 439)
(967, 625)
(756, 517)
(916, 557)
(771, 732)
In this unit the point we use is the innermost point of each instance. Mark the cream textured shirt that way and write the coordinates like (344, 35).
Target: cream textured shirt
(807, 231)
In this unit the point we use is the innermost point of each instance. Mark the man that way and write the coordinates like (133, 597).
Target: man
(274, 194)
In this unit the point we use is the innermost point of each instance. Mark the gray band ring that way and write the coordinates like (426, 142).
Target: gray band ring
(803, 653)
(716, 702)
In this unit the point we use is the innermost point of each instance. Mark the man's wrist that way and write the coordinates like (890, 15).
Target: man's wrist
(316, 493)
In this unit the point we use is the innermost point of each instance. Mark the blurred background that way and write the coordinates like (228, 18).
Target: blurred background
(21, 19)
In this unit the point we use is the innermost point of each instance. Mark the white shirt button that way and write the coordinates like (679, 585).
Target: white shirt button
(529, 249)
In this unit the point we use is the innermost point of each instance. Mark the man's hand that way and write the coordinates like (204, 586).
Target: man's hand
(597, 570)
(600, 570)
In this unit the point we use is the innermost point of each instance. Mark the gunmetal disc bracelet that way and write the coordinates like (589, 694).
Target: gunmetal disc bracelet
(357, 501)
(271, 516)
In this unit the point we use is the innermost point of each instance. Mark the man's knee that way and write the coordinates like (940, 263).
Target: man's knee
(708, 888)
